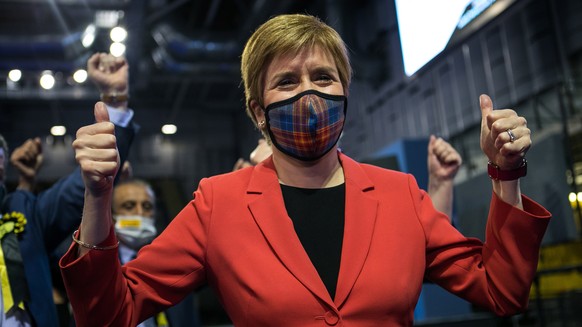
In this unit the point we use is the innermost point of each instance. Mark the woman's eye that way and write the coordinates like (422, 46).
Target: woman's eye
(285, 82)
(324, 78)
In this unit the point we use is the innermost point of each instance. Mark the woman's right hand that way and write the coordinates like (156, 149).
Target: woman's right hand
(96, 152)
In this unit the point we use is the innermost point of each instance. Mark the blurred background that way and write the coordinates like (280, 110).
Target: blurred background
(419, 65)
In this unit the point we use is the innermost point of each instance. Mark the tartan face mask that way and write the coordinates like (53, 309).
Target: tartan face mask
(307, 125)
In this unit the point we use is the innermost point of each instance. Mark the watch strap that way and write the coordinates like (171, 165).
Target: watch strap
(114, 97)
(496, 173)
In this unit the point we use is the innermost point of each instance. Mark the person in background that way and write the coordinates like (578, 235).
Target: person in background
(33, 225)
(261, 152)
(135, 213)
(133, 209)
(134, 201)
(27, 160)
(308, 237)
(3, 164)
(443, 163)
(126, 171)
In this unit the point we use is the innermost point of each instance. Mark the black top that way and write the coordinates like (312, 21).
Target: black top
(318, 217)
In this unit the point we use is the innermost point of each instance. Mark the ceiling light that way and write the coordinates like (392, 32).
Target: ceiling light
(107, 18)
(88, 36)
(58, 130)
(15, 75)
(117, 49)
(118, 34)
(169, 129)
(80, 76)
(575, 198)
(47, 80)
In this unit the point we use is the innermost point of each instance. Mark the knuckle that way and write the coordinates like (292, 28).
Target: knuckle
(111, 139)
(85, 165)
(112, 154)
(110, 127)
(495, 126)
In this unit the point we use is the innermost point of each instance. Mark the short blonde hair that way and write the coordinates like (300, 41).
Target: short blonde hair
(288, 34)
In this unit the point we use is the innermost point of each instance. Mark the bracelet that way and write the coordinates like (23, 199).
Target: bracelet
(496, 173)
(114, 97)
(91, 246)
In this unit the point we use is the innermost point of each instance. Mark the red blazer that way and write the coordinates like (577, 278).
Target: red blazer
(236, 236)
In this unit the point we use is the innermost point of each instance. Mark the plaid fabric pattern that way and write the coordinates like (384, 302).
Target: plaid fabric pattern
(308, 127)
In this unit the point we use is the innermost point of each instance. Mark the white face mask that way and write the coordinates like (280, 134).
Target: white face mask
(135, 231)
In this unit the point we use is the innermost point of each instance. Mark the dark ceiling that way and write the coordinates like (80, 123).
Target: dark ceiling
(184, 58)
(183, 55)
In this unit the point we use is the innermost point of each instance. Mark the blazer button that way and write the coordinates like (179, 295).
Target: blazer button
(331, 318)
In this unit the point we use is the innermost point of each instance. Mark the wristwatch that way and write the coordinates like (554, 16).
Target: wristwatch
(114, 97)
(506, 175)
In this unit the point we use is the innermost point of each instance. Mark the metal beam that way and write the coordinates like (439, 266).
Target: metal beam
(165, 11)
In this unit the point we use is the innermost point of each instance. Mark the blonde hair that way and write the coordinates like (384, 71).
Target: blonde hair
(288, 34)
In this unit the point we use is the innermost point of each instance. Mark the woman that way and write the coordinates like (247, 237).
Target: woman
(308, 237)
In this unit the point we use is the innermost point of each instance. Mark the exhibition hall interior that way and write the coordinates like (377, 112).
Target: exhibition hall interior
(419, 68)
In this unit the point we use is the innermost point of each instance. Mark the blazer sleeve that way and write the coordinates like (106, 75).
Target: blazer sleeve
(496, 275)
(103, 293)
(58, 209)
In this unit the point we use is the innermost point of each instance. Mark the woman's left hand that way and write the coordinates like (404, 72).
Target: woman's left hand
(505, 137)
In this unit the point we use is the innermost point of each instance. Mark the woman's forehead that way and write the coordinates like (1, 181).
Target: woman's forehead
(312, 55)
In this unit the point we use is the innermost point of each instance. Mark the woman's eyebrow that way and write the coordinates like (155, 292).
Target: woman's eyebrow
(325, 69)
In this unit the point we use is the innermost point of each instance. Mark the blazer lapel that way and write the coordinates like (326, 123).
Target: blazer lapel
(360, 217)
(268, 209)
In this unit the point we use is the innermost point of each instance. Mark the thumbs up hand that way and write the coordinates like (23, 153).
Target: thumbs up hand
(505, 137)
(96, 152)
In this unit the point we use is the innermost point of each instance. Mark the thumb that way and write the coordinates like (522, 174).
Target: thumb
(38, 144)
(101, 113)
(431, 141)
(486, 105)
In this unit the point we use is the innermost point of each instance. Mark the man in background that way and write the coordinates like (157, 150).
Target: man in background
(134, 211)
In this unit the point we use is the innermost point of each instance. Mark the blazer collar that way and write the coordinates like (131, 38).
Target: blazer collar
(268, 209)
(360, 218)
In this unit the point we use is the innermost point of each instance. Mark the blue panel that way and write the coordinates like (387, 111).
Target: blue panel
(410, 154)
(435, 302)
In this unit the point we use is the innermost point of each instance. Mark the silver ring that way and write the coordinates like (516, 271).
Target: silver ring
(511, 135)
